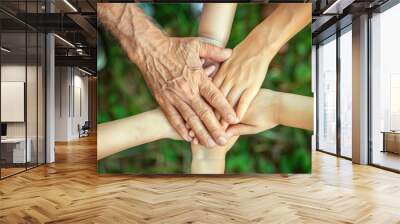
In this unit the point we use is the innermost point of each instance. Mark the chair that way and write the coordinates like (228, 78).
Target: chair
(84, 130)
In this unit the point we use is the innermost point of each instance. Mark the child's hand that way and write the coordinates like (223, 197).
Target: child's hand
(260, 116)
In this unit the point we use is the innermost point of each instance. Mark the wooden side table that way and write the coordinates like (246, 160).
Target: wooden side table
(391, 141)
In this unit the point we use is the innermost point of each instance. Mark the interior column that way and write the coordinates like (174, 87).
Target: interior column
(360, 90)
(50, 92)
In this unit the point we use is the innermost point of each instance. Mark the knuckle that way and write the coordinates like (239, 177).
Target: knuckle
(171, 116)
(191, 97)
(202, 133)
(216, 131)
(159, 99)
(213, 96)
(206, 114)
(192, 119)
(180, 127)
(225, 107)
(186, 111)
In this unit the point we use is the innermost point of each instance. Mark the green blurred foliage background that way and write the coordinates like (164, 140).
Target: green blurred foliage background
(122, 92)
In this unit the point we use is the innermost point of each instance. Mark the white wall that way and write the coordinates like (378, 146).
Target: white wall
(71, 93)
(12, 73)
(80, 100)
(61, 103)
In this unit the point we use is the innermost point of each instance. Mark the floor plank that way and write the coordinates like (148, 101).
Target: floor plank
(70, 191)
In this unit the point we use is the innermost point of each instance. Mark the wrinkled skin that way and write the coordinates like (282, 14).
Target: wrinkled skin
(173, 71)
(184, 91)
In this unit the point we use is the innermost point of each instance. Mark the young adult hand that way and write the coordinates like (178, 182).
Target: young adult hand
(241, 76)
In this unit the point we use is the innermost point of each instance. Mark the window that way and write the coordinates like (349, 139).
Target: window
(385, 88)
(22, 77)
(346, 92)
(327, 95)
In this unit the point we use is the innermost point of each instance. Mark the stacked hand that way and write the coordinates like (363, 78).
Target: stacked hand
(240, 78)
(205, 160)
(173, 71)
(172, 67)
(185, 93)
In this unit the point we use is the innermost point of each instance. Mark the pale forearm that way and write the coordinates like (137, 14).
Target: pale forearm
(295, 111)
(210, 161)
(201, 166)
(285, 20)
(216, 22)
(118, 135)
(268, 109)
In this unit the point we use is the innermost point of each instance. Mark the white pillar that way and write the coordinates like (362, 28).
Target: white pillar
(360, 90)
(50, 93)
(62, 103)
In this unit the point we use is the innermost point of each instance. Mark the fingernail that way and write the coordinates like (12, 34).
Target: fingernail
(211, 143)
(232, 119)
(188, 138)
(227, 52)
(229, 134)
(221, 140)
(212, 69)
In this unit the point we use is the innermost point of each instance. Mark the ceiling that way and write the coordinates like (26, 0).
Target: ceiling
(57, 5)
(74, 22)
(332, 15)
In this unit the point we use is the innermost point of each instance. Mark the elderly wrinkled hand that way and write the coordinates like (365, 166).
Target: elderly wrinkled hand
(173, 71)
(184, 91)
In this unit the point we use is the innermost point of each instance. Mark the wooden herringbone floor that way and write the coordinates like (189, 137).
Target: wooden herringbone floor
(70, 191)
